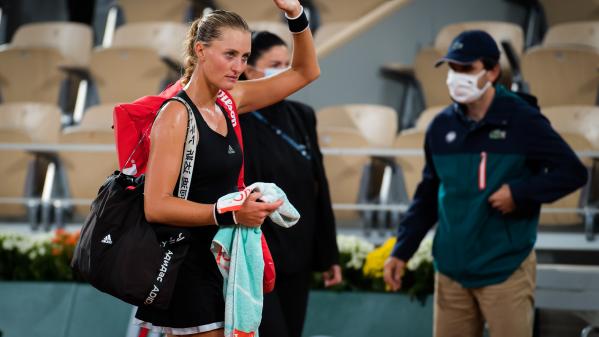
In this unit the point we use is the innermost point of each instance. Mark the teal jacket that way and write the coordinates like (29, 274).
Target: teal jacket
(466, 162)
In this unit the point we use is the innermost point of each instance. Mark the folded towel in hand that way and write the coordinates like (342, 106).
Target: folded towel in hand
(238, 253)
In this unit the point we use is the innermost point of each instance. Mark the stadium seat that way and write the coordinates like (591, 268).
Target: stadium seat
(427, 116)
(24, 123)
(578, 142)
(559, 11)
(376, 123)
(344, 172)
(166, 38)
(573, 33)
(252, 11)
(154, 10)
(30, 75)
(87, 170)
(411, 166)
(123, 74)
(72, 40)
(432, 80)
(581, 119)
(562, 75)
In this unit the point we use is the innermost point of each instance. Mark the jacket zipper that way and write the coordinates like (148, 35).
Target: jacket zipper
(482, 171)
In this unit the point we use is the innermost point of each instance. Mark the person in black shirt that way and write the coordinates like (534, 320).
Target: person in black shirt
(281, 147)
(218, 47)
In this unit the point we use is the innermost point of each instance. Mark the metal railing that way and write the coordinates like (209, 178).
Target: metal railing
(47, 200)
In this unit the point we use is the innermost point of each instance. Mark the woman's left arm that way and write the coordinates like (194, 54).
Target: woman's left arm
(256, 94)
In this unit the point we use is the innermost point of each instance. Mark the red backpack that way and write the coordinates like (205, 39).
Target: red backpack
(132, 125)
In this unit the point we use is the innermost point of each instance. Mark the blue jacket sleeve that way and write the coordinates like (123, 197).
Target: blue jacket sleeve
(556, 170)
(422, 214)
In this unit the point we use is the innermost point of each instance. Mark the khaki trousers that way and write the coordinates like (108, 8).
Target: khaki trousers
(507, 307)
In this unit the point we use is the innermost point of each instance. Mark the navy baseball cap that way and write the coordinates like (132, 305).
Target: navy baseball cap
(469, 46)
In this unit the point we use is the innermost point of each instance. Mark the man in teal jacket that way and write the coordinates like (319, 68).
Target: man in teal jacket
(492, 159)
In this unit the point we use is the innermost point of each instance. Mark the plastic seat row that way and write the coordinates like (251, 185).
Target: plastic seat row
(359, 126)
(558, 72)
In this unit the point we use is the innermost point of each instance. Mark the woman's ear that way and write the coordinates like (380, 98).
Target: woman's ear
(199, 50)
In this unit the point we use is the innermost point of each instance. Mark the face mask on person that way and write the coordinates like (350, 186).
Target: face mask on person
(463, 88)
(268, 72)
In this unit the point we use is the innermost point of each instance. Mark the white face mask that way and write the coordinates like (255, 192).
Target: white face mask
(273, 71)
(463, 88)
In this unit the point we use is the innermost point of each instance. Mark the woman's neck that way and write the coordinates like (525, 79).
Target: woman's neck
(201, 92)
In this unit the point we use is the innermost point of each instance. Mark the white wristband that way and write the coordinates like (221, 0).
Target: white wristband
(214, 215)
(300, 14)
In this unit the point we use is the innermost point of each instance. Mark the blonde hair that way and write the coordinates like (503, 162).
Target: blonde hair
(206, 29)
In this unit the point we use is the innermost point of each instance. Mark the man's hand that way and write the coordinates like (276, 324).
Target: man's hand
(502, 200)
(332, 276)
(393, 271)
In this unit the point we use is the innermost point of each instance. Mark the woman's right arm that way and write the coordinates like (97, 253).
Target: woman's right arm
(164, 164)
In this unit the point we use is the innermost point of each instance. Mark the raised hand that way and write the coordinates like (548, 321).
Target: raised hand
(291, 7)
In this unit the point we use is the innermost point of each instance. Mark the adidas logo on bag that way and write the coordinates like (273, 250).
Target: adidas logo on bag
(107, 240)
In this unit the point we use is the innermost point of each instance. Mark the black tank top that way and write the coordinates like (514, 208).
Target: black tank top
(217, 164)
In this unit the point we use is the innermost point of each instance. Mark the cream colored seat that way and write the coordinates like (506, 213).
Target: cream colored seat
(578, 142)
(154, 10)
(30, 75)
(427, 116)
(276, 27)
(23, 123)
(344, 172)
(559, 11)
(72, 40)
(581, 119)
(123, 74)
(432, 79)
(87, 170)
(584, 33)
(252, 11)
(166, 38)
(411, 166)
(376, 123)
(562, 75)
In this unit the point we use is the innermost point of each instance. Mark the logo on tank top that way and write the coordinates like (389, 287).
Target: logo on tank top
(231, 150)
(228, 102)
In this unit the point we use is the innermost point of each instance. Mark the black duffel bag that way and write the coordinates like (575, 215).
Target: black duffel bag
(121, 254)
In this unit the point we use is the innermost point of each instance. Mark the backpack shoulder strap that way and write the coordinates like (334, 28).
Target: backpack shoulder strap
(225, 100)
(189, 153)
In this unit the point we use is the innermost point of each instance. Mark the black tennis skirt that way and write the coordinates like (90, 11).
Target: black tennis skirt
(198, 303)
